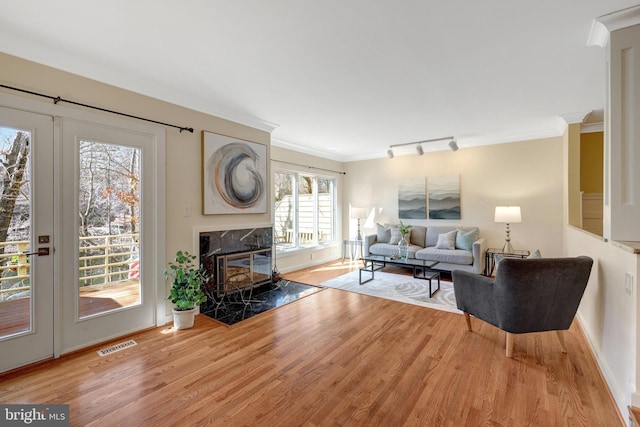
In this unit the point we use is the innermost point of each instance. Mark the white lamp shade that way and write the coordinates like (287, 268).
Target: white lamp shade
(508, 214)
(359, 213)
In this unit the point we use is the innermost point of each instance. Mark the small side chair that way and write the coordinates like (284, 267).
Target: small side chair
(527, 295)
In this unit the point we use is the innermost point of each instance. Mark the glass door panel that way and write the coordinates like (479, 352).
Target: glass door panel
(109, 223)
(15, 230)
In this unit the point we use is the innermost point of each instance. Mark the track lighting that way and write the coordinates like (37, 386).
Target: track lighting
(452, 145)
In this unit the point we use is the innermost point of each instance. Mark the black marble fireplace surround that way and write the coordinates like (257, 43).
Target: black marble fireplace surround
(241, 265)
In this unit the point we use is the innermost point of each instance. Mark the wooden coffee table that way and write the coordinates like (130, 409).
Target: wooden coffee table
(421, 269)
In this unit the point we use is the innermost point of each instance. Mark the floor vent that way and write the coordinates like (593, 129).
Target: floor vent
(116, 347)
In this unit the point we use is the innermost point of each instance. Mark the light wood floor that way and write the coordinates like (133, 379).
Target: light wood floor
(332, 358)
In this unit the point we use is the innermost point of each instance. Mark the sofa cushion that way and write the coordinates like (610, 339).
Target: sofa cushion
(383, 233)
(449, 256)
(387, 249)
(433, 231)
(447, 240)
(465, 239)
(418, 235)
(396, 236)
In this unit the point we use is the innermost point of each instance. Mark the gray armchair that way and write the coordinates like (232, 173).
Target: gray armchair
(527, 295)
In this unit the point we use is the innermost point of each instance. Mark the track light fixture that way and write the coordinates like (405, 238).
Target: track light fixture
(452, 145)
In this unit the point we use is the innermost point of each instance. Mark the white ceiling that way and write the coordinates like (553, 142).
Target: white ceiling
(340, 79)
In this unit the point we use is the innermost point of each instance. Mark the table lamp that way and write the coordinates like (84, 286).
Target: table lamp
(508, 215)
(358, 213)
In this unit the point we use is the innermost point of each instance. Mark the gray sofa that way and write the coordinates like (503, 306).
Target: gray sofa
(467, 255)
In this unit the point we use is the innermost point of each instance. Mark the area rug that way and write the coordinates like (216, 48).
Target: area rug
(399, 287)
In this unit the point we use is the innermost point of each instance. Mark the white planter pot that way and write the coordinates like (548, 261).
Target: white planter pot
(183, 319)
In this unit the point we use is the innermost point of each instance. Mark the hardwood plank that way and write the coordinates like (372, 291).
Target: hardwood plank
(332, 358)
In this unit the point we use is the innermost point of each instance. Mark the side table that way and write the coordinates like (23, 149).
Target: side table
(353, 245)
(489, 260)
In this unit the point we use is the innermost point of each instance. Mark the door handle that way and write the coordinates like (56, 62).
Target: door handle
(40, 252)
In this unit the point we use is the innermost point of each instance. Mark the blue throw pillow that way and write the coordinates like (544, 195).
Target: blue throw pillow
(535, 254)
(465, 239)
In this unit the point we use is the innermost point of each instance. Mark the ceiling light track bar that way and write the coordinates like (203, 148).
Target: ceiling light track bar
(452, 145)
(57, 99)
(422, 142)
(309, 167)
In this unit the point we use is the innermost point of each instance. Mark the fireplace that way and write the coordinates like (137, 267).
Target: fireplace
(237, 260)
(241, 270)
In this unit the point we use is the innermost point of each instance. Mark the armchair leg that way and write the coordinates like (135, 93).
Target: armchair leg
(560, 335)
(509, 345)
(468, 319)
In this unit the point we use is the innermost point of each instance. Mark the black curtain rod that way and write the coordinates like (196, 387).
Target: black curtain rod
(309, 167)
(57, 99)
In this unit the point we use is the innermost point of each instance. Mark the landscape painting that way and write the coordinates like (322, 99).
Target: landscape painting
(412, 199)
(444, 197)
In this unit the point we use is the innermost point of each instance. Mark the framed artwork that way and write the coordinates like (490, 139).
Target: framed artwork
(443, 194)
(234, 175)
(412, 199)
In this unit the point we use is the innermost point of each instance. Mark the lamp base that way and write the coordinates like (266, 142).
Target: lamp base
(507, 248)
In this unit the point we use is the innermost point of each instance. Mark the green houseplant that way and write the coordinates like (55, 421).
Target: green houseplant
(186, 288)
(403, 245)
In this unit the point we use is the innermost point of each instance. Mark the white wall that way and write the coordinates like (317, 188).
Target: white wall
(607, 314)
(528, 174)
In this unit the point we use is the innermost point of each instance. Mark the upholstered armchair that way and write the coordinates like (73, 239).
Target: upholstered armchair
(527, 295)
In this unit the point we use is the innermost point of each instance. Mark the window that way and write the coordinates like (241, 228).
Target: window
(304, 213)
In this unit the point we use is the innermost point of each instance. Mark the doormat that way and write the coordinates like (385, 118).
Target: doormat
(234, 308)
(116, 347)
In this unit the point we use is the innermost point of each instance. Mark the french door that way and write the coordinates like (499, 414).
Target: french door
(26, 228)
(107, 222)
(81, 231)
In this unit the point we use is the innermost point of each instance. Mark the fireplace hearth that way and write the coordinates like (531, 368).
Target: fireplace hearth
(240, 263)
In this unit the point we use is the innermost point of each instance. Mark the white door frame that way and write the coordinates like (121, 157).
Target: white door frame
(35, 343)
(157, 254)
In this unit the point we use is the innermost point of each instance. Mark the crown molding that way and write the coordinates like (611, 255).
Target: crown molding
(602, 26)
(277, 142)
(575, 118)
(592, 127)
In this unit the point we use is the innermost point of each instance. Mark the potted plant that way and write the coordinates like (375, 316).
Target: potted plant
(186, 288)
(403, 245)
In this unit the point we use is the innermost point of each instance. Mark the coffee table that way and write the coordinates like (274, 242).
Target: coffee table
(421, 269)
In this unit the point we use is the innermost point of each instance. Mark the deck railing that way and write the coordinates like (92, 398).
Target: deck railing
(102, 259)
(14, 260)
(110, 258)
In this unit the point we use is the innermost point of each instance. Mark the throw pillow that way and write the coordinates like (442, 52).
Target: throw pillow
(535, 254)
(464, 240)
(396, 236)
(447, 240)
(383, 234)
(418, 235)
